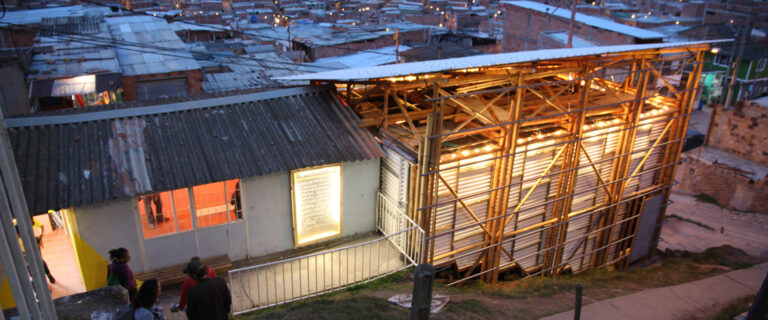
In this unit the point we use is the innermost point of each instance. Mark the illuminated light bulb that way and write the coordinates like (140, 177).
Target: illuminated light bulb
(715, 50)
(453, 156)
(539, 136)
(583, 82)
(677, 22)
(488, 148)
(585, 127)
(633, 16)
(616, 121)
(465, 153)
(520, 141)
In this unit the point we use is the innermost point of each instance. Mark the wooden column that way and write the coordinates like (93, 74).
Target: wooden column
(673, 150)
(621, 167)
(501, 180)
(567, 181)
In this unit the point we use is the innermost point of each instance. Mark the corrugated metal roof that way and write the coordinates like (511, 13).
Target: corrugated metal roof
(83, 158)
(62, 53)
(35, 16)
(596, 22)
(414, 68)
(163, 51)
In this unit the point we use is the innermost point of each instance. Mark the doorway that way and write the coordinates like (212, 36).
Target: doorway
(58, 253)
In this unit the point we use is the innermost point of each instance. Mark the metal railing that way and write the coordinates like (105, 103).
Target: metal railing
(279, 282)
(390, 220)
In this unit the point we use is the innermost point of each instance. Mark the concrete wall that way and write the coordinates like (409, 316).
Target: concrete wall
(267, 227)
(13, 89)
(270, 217)
(109, 225)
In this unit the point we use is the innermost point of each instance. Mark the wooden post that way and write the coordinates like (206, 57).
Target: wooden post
(423, 280)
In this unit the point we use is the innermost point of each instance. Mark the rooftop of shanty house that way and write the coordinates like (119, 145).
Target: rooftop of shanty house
(75, 157)
(536, 162)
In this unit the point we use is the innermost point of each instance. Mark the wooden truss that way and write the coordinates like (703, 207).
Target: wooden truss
(539, 167)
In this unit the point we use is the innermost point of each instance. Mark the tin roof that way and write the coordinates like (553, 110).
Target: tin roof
(150, 46)
(75, 159)
(596, 22)
(415, 68)
(62, 51)
(35, 16)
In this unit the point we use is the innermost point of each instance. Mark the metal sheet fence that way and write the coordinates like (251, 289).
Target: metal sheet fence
(279, 282)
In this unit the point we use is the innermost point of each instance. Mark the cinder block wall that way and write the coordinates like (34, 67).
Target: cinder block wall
(731, 189)
(742, 131)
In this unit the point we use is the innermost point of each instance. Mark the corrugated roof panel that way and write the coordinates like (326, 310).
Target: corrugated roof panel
(489, 60)
(91, 157)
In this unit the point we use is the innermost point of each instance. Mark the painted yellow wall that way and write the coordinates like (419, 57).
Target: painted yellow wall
(93, 267)
(6, 296)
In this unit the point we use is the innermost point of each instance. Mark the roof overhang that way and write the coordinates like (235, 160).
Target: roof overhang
(433, 66)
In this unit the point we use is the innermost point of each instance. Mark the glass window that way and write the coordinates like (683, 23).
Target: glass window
(316, 203)
(171, 211)
(157, 214)
(210, 204)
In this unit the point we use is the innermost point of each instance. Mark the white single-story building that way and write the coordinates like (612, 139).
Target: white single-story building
(246, 176)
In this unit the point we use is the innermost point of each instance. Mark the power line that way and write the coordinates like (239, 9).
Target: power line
(172, 52)
(235, 31)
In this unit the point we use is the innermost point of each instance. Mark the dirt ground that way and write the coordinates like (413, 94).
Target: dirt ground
(746, 231)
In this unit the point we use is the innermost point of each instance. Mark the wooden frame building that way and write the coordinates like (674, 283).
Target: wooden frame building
(538, 162)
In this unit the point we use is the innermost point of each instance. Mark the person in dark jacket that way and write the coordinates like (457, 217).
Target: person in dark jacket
(119, 267)
(209, 299)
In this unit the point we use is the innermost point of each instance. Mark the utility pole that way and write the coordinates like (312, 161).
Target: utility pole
(735, 65)
(397, 45)
(570, 24)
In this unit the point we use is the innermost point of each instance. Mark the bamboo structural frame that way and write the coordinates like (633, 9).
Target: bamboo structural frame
(539, 167)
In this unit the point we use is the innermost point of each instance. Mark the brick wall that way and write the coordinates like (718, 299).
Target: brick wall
(194, 82)
(742, 131)
(522, 26)
(731, 189)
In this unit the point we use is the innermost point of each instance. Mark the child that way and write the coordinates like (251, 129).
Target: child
(118, 272)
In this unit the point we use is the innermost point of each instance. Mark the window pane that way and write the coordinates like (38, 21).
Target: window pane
(235, 203)
(183, 212)
(156, 214)
(210, 204)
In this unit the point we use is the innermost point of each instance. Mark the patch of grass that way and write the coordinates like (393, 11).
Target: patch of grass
(390, 280)
(465, 309)
(734, 308)
(703, 197)
(705, 226)
(359, 307)
(727, 256)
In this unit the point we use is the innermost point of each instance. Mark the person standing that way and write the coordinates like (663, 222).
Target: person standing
(189, 282)
(209, 299)
(118, 272)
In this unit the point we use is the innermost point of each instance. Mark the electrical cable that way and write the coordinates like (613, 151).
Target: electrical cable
(94, 2)
(172, 52)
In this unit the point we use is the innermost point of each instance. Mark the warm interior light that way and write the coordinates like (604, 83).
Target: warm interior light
(317, 203)
(715, 50)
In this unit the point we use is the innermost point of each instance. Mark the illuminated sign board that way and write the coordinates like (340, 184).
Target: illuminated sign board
(316, 200)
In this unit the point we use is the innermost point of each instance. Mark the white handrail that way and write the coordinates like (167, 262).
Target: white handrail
(292, 279)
